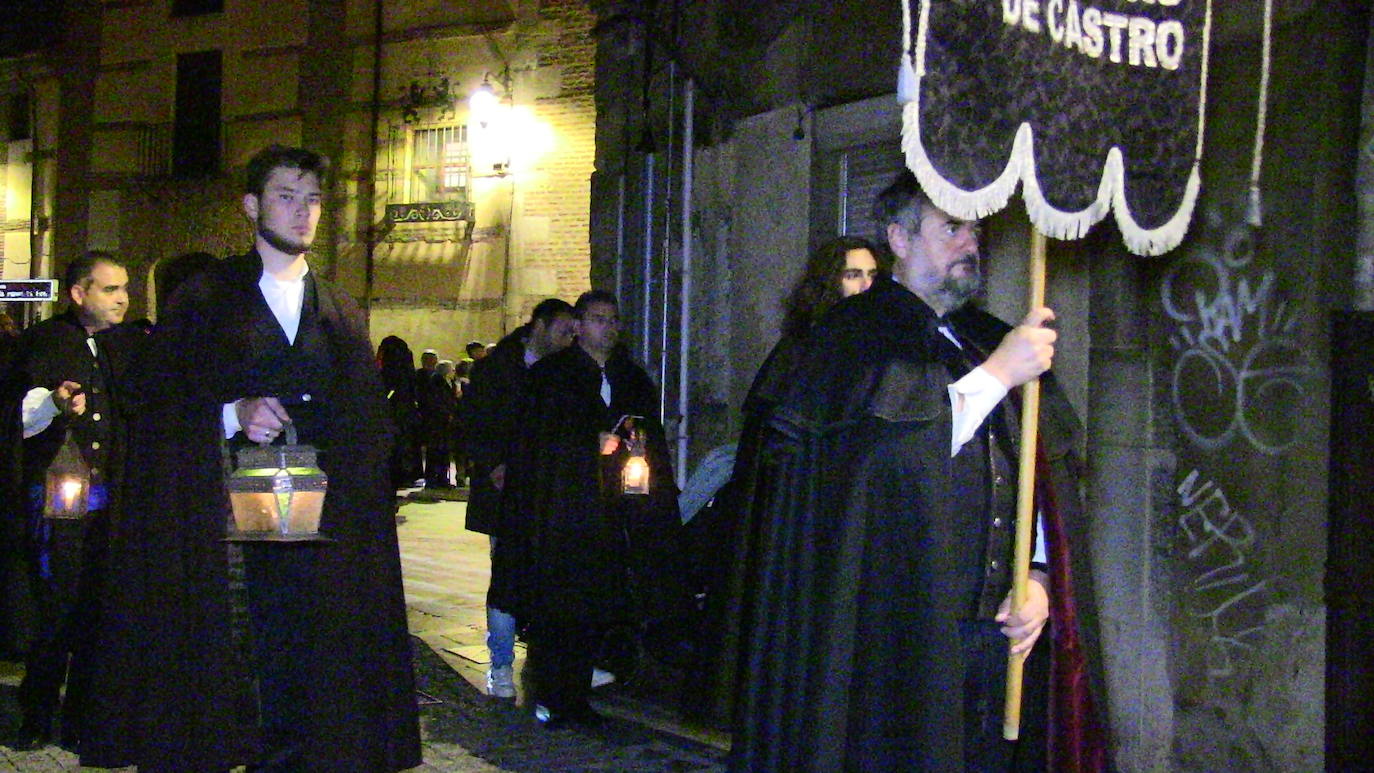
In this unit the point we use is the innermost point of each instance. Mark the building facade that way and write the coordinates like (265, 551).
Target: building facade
(447, 223)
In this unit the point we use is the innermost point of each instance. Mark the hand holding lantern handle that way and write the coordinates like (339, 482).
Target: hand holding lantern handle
(610, 441)
(262, 418)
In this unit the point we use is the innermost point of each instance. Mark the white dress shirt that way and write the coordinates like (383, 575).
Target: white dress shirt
(284, 297)
(38, 409)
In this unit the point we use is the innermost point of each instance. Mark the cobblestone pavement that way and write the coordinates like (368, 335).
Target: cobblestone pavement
(446, 570)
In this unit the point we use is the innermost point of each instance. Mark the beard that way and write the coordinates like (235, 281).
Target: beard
(956, 291)
(279, 242)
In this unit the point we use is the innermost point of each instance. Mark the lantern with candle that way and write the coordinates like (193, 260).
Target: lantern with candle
(67, 485)
(277, 493)
(634, 477)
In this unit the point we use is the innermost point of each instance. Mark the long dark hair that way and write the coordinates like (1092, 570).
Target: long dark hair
(819, 287)
(397, 363)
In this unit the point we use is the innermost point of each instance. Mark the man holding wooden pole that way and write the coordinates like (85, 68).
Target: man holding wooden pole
(880, 610)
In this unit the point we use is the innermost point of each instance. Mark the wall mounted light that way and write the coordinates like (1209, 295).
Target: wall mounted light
(483, 101)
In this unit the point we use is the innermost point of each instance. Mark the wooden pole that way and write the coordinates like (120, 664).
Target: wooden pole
(1025, 499)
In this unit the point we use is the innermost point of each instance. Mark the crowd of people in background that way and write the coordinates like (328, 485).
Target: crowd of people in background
(428, 408)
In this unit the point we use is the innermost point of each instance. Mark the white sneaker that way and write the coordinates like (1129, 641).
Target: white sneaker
(601, 678)
(501, 682)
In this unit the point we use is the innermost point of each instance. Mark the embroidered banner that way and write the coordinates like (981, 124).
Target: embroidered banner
(1094, 106)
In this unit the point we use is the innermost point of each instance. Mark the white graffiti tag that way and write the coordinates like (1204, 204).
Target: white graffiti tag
(1240, 369)
(1223, 591)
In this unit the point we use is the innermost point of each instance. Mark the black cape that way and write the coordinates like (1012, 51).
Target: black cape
(574, 540)
(850, 659)
(16, 603)
(729, 528)
(491, 415)
(173, 690)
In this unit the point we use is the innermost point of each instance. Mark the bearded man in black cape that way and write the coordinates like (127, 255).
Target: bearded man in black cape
(318, 677)
(877, 623)
(570, 535)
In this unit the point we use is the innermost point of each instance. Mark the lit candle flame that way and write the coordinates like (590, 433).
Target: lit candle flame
(71, 489)
(636, 470)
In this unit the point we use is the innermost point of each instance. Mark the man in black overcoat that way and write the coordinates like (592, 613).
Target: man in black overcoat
(72, 371)
(318, 676)
(573, 535)
(493, 405)
(877, 625)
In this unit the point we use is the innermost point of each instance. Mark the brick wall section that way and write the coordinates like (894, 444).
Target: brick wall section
(561, 191)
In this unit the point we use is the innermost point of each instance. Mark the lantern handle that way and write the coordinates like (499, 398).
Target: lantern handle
(621, 423)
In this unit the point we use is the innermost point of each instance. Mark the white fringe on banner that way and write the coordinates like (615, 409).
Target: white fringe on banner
(1053, 222)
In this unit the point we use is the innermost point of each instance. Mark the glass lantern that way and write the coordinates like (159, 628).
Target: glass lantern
(67, 484)
(634, 478)
(277, 493)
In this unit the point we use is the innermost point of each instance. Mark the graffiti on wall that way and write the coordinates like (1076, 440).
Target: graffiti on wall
(1240, 372)
(1225, 590)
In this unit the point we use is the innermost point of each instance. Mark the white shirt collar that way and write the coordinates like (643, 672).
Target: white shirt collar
(285, 298)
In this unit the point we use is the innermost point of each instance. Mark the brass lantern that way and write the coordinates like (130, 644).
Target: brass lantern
(67, 485)
(277, 493)
(634, 478)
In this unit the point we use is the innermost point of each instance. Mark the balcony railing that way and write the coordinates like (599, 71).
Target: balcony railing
(157, 153)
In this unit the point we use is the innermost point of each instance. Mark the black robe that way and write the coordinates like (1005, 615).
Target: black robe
(730, 526)
(16, 602)
(572, 536)
(174, 689)
(491, 414)
(852, 658)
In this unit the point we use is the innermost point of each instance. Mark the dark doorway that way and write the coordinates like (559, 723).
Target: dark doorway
(1350, 552)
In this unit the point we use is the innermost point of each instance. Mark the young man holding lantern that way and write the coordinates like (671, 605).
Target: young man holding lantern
(318, 676)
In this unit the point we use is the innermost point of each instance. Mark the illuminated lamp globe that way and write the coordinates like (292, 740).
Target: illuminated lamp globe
(483, 102)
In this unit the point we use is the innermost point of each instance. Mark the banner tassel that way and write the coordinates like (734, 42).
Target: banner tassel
(1254, 213)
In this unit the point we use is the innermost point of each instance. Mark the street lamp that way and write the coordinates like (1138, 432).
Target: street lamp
(484, 102)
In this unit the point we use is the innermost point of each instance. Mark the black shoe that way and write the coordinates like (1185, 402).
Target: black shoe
(587, 717)
(584, 717)
(32, 736)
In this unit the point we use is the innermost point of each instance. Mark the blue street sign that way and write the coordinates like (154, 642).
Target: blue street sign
(36, 290)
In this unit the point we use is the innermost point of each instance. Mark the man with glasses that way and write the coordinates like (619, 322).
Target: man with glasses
(571, 527)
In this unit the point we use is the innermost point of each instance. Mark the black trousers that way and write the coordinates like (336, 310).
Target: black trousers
(274, 575)
(561, 658)
(985, 677)
(437, 458)
(68, 560)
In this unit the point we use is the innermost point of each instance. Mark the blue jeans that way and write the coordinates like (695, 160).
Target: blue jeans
(500, 634)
